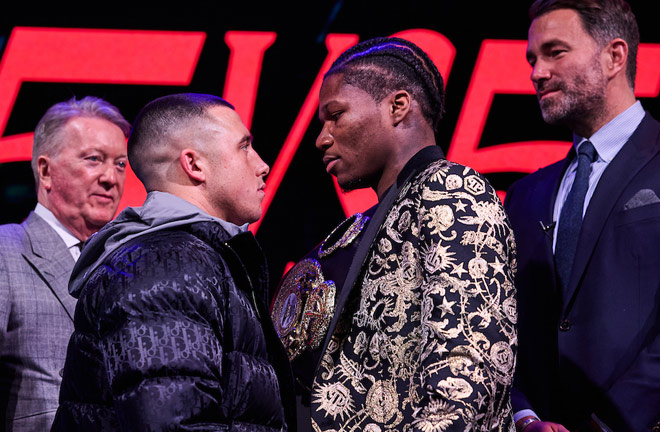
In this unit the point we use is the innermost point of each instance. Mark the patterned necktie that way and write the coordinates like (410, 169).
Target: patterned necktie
(570, 219)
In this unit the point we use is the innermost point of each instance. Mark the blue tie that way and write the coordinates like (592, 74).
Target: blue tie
(570, 219)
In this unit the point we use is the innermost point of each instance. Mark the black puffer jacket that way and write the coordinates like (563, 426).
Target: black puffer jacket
(172, 333)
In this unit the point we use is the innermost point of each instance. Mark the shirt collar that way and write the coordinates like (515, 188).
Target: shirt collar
(65, 234)
(609, 139)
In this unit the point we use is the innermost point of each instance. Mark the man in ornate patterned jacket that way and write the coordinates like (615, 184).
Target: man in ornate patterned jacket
(423, 333)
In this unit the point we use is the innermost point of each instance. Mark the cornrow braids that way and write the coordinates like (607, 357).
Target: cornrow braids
(385, 64)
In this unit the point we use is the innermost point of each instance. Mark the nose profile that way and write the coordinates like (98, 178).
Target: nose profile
(324, 140)
(262, 167)
(265, 169)
(540, 72)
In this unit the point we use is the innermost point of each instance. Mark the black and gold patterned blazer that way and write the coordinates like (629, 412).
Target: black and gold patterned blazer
(424, 337)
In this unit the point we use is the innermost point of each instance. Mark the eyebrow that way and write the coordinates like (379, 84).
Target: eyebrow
(545, 46)
(552, 43)
(105, 152)
(324, 109)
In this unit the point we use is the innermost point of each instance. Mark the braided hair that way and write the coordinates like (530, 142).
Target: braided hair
(382, 65)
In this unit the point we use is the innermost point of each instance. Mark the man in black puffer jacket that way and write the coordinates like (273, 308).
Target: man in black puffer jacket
(171, 328)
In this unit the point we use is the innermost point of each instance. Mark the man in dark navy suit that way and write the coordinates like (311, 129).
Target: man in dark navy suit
(588, 231)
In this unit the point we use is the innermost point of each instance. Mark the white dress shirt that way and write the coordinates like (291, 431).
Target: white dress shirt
(607, 141)
(65, 234)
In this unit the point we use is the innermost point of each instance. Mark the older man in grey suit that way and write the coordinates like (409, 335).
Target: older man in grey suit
(79, 161)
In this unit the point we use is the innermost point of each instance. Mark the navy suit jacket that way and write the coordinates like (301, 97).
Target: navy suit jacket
(595, 348)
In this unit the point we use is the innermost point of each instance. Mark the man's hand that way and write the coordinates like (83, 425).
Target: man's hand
(538, 426)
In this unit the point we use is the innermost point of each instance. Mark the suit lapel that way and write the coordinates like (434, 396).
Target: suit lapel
(634, 155)
(51, 259)
(359, 258)
(548, 196)
(421, 159)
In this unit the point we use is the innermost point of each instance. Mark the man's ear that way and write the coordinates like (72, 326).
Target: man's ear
(193, 164)
(616, 57)
(399, 106)
(43, 172)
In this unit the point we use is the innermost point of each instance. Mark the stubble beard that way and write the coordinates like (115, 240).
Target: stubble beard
(580, 102)
(356, 181)
(354, 184)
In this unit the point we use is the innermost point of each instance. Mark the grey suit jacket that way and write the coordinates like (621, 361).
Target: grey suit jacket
(36, 322)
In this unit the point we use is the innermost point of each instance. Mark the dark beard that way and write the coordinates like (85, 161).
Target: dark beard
(579, 102)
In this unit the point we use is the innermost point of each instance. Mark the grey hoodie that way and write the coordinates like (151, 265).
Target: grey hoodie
(161, 210)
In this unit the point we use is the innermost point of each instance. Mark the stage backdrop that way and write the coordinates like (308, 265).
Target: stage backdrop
(268, 60)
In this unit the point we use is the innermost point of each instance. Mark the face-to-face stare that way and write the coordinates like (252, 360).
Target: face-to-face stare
(567, 70)
(352, 140)
(236, 184)
(84, 180)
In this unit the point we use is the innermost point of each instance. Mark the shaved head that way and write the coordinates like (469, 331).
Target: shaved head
(162, 129)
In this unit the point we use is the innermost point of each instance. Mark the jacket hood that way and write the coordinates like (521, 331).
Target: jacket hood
(161, 210)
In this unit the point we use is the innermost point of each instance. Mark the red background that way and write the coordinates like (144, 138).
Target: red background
(269, 64)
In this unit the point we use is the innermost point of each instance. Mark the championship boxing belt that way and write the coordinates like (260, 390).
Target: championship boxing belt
(305, 299)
